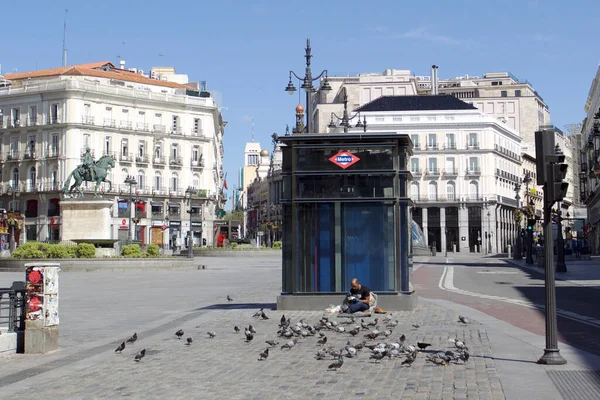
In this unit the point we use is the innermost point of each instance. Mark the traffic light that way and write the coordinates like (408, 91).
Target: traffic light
(523, 232)
(530, 223)
(557, 187)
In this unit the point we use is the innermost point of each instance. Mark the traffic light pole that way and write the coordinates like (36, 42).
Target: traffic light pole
(529, 258)
(560, 245)
(551, 352)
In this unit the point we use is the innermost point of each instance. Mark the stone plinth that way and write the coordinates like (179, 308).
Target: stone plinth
(40, 339)
(85, 219)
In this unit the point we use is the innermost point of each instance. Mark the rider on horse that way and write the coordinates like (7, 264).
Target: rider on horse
(89, 164)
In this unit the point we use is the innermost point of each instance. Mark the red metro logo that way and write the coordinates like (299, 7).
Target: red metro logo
(344, 159)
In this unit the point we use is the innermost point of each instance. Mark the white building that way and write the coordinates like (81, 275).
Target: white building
(465, 167)
(167, 134)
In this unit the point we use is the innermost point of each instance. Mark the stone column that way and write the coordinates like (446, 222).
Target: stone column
(463, 229)
(425, 230)
(443, 228)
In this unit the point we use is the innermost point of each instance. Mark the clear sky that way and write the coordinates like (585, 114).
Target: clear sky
(245, 49)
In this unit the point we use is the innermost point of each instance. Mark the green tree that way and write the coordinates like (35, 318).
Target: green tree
(236, 215)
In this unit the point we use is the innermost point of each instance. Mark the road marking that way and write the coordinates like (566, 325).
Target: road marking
(447, 283)
(497, 272)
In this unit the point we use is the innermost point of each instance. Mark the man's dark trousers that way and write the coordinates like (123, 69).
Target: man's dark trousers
(358, 306)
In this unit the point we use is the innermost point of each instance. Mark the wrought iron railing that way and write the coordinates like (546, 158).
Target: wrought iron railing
(12, 307)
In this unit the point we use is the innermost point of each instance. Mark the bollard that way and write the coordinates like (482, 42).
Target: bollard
(509, 251)
(454, 248)
(41, 318)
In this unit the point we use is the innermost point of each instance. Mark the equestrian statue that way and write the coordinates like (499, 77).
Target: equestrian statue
(89, 171)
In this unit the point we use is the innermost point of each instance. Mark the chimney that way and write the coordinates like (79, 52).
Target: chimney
(434, 80)
(122, 64)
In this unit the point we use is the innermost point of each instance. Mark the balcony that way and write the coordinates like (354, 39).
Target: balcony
(14, 123)
(473, 172)
(125, 158)
(176, 131)
(508, 176)
(432, 172)
(472, 146)
(54, 120)
(176, 162)
(196, 216)
(432, 146)
(110, 123)
(449, 146)
(417, 147)
(159, 128)
(508, 153)
(142, 126)
(174, 213)
(584, 167)
(158, 161)
(87, 120)
(143, 159)
(158, 214)
(450, 173)
(32, 121)
(430, 199)
(159, 190)
(30, 155)
(126, 125)
(12, 156)
(416, 173)
(197, 164)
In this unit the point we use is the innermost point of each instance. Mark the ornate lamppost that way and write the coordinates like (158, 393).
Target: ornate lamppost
(12, 222)
(307, 85)
(130, 180)
(517, 252)
(190, 244)
(345, 118)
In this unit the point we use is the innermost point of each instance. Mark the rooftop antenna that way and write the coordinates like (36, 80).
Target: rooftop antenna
(64, 55)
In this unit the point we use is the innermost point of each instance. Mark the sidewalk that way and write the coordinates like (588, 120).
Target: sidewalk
(502, 363)
(579, 272)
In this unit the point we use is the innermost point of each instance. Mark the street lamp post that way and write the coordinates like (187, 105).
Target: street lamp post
(130, 180)
(190, 244)
(14, 192)
(345, 119)
(489, 234)
(307, 85)
(517, 252)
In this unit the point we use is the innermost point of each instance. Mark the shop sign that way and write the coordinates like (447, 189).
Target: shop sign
(344, 159)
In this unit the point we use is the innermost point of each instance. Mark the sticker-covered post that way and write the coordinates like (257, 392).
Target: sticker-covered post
(41, 317)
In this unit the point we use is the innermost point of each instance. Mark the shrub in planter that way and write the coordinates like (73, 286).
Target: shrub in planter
(131, 251)
(60, 251)
(277, 244)
(233, 246)
(85, 250)
(29, 250)
(152, 250)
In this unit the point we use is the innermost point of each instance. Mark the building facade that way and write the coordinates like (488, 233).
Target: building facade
(165, 134)
(465, 169)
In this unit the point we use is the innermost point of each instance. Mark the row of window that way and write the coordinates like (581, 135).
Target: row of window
(432, 140)
(450, 194)
(16, 118)
(451, 164)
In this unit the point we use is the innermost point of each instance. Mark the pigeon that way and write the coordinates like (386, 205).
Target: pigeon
(402, 339)
(140, 355)
(337, 364)
(251, 329)
(461, 318)
(120, 348)
(249, 335)
(374, 322)
(179, 333)
(289, 344)
(392, 324)
(387, 318)
(322, 341)
(229, 299)
(321, 354)
(377, 356)
(352, 352)
(437, 360)
(354, 331)
(236, 329)
(416, 326)
(263, 315)
(348, 321)
(189, 341)
(464, 356)
(257, 314)
(272, 343)
(132, 339)
(282, 321)
(410, 358)
(263, 356)
(211, 334)
(423, 346)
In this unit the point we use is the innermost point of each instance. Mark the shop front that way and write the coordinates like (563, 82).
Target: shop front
(345, 215)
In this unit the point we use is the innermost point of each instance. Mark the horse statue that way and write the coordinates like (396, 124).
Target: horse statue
(84, 173)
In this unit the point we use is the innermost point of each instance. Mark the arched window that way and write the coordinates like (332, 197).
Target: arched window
(32, 180)
(174, 182)
(414, 191)
(473, 190)
(141, 179)
(450, 191)
(432, 191)
(196, 181)
(157, 181)
(15, 179)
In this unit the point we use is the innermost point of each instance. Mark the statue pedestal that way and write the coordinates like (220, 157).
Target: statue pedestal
(85, 219)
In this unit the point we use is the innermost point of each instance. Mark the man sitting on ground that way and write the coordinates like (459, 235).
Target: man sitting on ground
(360, 297)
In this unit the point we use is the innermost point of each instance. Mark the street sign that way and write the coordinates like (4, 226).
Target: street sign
(164, 227)
(123, 221)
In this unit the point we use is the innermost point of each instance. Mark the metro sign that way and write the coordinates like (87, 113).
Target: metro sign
(344, 159)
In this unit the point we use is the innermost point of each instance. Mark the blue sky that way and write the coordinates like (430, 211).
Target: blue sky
(244, 49)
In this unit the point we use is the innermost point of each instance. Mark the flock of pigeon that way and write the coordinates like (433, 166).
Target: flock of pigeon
(379, 350)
